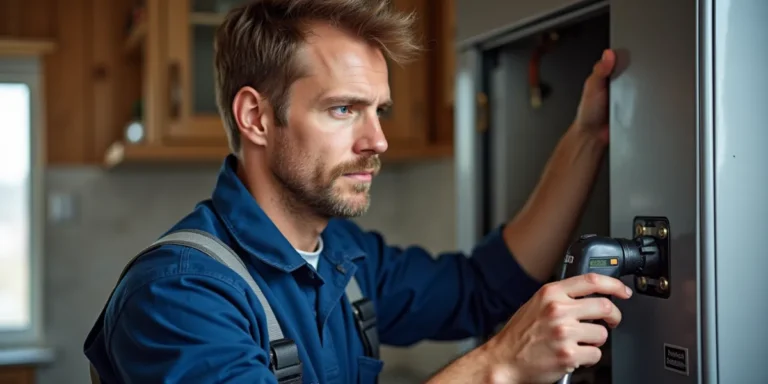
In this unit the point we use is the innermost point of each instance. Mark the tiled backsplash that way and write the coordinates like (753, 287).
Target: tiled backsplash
(117, 213)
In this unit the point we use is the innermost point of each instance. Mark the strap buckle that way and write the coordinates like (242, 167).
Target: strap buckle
(284, 361)
(365, 318)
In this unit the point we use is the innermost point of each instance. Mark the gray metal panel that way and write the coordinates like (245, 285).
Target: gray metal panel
(481, 19)
(502, 99)
(523, 138)
(467, 160)
(653, 158)
(741, 185)
(467, 149)
(554, 21)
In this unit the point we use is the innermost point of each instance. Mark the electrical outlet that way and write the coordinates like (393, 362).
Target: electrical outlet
(61, 207)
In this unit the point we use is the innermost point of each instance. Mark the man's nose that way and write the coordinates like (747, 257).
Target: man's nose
(371, 138)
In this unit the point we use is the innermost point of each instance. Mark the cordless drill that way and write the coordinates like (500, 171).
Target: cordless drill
(614, 257)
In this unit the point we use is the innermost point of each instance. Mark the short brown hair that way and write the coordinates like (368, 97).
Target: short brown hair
(257, 43)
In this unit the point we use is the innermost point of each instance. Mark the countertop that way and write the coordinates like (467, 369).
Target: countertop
(26, 355)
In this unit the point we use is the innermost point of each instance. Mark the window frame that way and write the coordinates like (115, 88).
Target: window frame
(28, 70)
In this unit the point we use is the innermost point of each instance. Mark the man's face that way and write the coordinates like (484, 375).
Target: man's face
(328, 154)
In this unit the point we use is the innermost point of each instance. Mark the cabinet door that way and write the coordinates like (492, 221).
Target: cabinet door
(193, 114)
(191, 28)
(406, 123)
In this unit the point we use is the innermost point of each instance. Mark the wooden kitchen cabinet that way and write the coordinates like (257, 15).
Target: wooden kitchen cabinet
(175, 71)
(191, 28)
(17, 374)
(180, 116)
(103, 69)
(25, 20)
(84, 80)
(416, 126)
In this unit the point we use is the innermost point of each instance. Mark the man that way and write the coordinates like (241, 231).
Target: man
(300, 85)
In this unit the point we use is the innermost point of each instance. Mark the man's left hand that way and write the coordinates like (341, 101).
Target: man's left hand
(592, 115)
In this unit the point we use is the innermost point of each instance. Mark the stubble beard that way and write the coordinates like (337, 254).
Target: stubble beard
(308, 186)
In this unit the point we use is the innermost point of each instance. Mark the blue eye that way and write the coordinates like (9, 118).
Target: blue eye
(341, 110)
(383, 112)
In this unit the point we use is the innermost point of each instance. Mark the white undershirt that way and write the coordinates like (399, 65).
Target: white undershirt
(312, 257)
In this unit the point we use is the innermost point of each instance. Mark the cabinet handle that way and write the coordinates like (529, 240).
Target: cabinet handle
(175, 93)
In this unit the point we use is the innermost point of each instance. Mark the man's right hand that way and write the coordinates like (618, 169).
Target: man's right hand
(547, 338)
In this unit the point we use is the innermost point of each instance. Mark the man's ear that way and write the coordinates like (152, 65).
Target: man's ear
(254, 115)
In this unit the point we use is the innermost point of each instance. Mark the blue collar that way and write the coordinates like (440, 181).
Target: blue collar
(255, 233)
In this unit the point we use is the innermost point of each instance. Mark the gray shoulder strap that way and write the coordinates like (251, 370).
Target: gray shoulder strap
(353, 290)
(216, 249)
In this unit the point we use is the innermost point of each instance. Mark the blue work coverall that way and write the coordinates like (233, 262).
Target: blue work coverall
(179, 316)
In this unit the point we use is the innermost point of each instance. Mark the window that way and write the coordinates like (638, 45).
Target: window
(20, 201)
